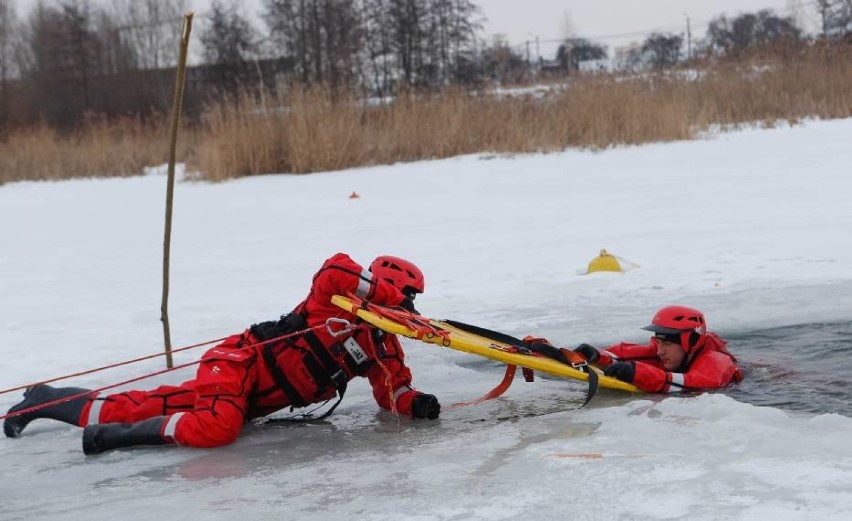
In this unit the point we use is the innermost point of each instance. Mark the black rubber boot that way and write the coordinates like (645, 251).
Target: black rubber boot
(108, 436)
(68, 412)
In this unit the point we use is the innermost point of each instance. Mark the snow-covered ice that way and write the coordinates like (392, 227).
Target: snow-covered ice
(753, 227)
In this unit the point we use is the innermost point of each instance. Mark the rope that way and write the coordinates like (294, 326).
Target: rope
(93, 391)
(404, 317)
(149, 375)
(102, 368)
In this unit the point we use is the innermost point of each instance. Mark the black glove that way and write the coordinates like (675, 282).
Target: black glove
(624, 371)
(408, 305)
(425, 406)
(590, 353)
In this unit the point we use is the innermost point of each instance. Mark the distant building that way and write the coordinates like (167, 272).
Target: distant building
(624, 57)
(594, 66)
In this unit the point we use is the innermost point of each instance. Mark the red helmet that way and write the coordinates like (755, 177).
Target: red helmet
(404, 275)
(679, 324)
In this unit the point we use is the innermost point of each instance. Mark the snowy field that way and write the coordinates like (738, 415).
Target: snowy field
(752, 227)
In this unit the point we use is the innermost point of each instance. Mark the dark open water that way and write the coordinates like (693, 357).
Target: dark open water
(799, 368)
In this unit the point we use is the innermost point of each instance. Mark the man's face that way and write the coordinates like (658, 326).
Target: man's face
(670, 353)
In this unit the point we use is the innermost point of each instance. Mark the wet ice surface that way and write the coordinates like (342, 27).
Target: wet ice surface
(708, 457)
(704, 457)
(731, 226)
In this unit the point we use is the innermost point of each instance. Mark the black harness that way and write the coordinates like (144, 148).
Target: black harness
(323, 368)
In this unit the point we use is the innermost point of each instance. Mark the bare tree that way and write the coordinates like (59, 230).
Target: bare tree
(458, 23)
(286, 31)
(742, 31)
(228, 38)
(380, 42)
(58, 61)
(843, 18)
(377, 48)
(575, 50)
(750, 30)
(771, 29)
(796, 12)
(323, 36)
(7, 33)
(662, 50)
(81, 42)
(116, 87)
(229, 43)
(152, 28)
(342, 42)
(406, 24)
(502, 63)
(150, 32)
(432, 37)
(7, 24)
(72, 62)
(836, 18)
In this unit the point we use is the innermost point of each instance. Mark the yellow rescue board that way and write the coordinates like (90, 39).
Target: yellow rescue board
(468, 342)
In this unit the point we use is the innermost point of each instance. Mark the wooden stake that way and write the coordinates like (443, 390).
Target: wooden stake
(170, 190)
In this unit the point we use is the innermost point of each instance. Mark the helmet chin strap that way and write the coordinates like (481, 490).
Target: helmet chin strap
(685, 338)
(689, 340)
(692, 351)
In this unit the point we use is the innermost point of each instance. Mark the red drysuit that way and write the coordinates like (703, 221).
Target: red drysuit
(708, 365)
(239, 380)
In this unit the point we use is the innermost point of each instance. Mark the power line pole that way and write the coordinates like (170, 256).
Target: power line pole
(537, 50)
(688, 38)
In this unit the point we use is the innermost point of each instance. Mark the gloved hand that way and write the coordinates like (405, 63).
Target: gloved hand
(408, 305)
(590, 353)
(624, 371)
(425, 406)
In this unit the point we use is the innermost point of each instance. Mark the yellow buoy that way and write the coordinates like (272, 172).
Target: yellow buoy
(604, 262)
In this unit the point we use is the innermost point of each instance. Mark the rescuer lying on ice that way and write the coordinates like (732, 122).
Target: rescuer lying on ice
(239, 380)
(681, 356)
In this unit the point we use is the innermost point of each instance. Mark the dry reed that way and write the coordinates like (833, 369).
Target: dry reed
(100, 149)
(312, 130)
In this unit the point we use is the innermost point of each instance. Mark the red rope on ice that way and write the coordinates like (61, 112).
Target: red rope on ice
(110, 366)
(346, 328)
(93, 391)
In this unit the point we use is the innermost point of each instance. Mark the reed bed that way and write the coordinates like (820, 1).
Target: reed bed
(300, 130)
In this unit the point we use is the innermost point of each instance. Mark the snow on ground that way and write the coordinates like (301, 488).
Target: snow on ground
(753, 227)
